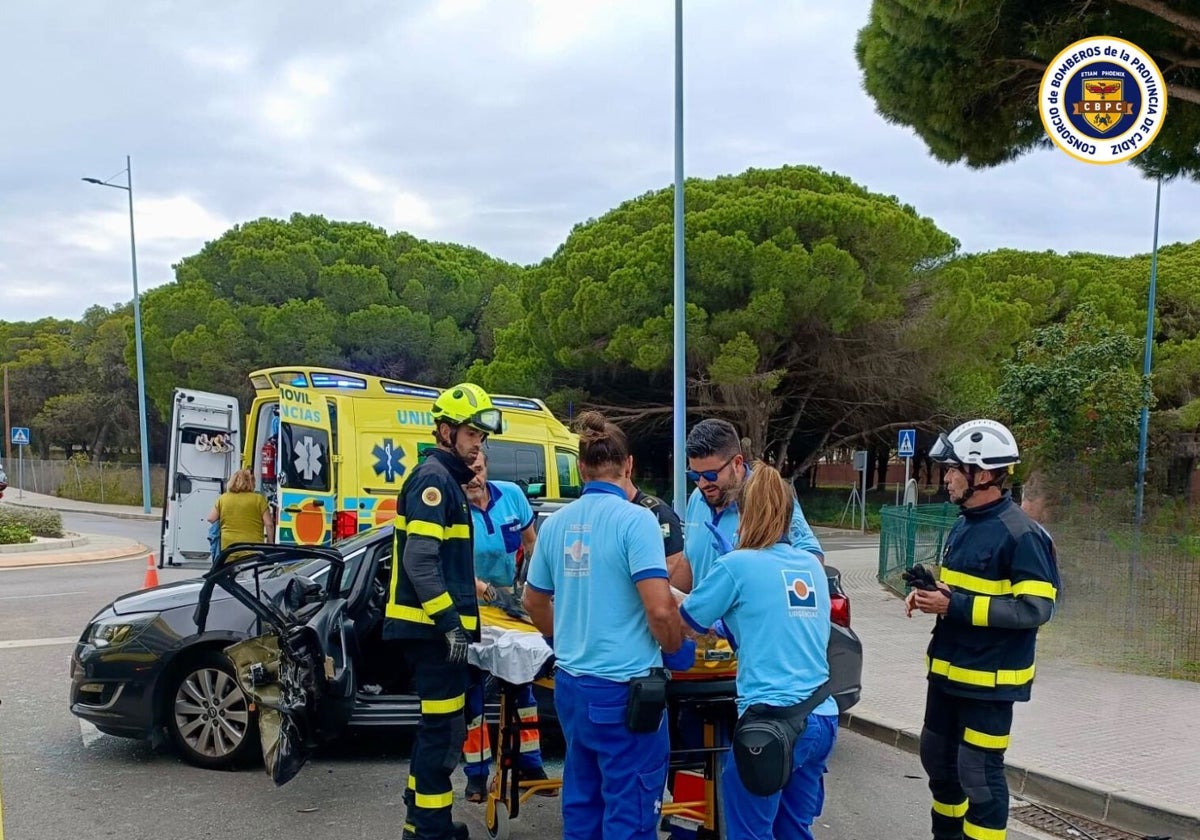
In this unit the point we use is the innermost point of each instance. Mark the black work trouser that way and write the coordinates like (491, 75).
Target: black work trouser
(442, 689)
(962, 751)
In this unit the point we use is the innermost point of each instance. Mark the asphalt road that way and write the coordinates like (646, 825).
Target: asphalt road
(59, 780)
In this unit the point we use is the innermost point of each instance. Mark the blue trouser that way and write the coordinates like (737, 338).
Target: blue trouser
(477, 749)
(613, 779)
(789, 813)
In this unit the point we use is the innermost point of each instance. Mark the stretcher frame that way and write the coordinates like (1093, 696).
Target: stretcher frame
(711, 696)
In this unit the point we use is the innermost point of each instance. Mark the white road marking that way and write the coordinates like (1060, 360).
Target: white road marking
(24, 643)
(48, 595)
(89, 733)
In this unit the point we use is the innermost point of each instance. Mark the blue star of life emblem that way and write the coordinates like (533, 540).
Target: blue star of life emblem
(389, 460)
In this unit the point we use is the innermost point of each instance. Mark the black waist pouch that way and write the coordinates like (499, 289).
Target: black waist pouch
(647, 701)
(764, 740)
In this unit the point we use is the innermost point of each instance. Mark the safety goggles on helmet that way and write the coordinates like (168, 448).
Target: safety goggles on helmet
(943, 452)
(488, 420)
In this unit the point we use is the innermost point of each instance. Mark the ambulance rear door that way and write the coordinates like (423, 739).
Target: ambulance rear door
(307, 480)
(203, 448)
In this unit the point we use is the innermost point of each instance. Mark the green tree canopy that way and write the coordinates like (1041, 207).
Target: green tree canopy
(964, 74)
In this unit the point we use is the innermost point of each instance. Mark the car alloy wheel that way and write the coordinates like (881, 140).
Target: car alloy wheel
(208, 716)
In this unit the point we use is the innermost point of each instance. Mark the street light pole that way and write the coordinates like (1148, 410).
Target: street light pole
(1144, 429)
(137, 333)
(679, 403)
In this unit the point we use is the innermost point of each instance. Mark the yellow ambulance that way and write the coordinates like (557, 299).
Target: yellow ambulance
(331, 448)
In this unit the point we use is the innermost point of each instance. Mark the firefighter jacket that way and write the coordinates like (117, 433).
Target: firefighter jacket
(433, 570)
(1001, 569)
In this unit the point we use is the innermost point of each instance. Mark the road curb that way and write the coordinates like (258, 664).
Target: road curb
(1118, 808)
(39, 559)
(145, 517)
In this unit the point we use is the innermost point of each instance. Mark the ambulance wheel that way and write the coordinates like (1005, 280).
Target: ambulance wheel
(497, 819)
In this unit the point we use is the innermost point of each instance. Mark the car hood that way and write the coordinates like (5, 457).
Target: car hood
(184, 593)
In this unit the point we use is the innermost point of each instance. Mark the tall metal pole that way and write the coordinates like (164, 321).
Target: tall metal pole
(7, 423)
(679, 406)
(1144, 430)
(137, 343)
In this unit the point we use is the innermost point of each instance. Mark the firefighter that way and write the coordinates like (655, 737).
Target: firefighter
(999, 581)
(432, 605)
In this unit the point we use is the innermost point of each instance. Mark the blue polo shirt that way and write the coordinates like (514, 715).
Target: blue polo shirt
(775, 602)
(698, 541)
(590, 556)
(497, 532)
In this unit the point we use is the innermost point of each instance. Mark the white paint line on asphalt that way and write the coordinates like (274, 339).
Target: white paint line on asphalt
(48, 595)
(24, 643)
(88, 733)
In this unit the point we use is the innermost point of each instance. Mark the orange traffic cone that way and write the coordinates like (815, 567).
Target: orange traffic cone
(151, 579)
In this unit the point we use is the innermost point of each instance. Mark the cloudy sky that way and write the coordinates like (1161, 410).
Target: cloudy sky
(496, 123)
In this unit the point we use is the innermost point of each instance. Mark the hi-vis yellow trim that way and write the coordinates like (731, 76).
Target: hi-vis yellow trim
(972, 583)
(955, 811)
(978, 832)
(443, 707)
(981, 739)
(433, 801)
(985, 679)
(419, 616)
(435, 605)
(1037, 588)
(979, 610)
(412, 782)
(421, 528)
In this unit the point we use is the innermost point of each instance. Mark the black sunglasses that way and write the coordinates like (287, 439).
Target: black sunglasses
(709, 475)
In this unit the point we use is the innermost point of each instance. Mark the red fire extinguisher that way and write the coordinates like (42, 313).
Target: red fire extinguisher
(267, 457)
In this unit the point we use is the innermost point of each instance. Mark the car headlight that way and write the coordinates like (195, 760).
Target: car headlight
(118, 630)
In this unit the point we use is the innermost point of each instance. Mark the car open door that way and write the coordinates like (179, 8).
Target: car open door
(307, 490)
(203, 446)
(299, 671)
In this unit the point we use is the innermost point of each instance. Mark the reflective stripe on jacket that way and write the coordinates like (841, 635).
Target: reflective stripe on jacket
(433, 572)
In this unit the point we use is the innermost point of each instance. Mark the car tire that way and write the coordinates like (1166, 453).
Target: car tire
(207, 715)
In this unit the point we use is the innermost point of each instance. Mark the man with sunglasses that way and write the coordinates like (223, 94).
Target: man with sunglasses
(432, 607)
(717, 466)
(998, 584)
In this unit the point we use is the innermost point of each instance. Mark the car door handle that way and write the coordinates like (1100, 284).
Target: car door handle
(320, 503)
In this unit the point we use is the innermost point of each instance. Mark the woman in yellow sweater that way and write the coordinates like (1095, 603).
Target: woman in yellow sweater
(243, 514)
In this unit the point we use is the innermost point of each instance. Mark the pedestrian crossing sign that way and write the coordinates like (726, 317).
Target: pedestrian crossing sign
(20, 435)
(907, 446)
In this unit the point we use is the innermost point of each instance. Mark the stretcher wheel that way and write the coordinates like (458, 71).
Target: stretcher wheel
(497, 819)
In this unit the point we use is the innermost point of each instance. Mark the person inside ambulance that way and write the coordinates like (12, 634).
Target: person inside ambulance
(999, 581)
(503, 522)
(432, 605)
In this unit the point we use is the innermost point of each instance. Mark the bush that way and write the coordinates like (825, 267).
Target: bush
(41, 523)
(14, 534)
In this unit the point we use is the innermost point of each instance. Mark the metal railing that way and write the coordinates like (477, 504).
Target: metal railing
(106, 482)
(910, 534)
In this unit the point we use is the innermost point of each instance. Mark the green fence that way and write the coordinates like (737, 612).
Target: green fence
(910, 534)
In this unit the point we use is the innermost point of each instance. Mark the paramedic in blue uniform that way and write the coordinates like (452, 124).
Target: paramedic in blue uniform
(773, 600)
(598, 588)
(717, 466)
(998, 584)
(432, 608)
(502, 523)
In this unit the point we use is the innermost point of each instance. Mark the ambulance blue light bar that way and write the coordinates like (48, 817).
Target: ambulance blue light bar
(337, 380)
(409, 390)
(515, 402)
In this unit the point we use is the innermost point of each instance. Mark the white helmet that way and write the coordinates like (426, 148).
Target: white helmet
(983, 443)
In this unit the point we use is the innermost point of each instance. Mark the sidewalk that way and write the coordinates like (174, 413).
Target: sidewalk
(39, 500)
(1117, 748)
(77, 548)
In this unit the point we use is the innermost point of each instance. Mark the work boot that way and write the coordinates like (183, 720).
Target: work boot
(476, 790)
(538, 775)
(458, 831)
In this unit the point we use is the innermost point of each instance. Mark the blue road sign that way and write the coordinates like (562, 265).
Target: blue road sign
(907, 447)
(20, 435)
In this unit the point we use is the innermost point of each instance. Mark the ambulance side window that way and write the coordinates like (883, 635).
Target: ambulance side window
(569, 484)
(521, 463)
(304, 459)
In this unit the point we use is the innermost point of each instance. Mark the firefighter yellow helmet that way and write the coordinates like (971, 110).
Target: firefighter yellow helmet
(467, 404)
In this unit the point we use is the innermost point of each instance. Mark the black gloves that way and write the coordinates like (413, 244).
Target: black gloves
(457, 642)
(919, 577)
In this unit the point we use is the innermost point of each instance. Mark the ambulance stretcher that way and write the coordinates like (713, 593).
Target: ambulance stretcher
(514, 653)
